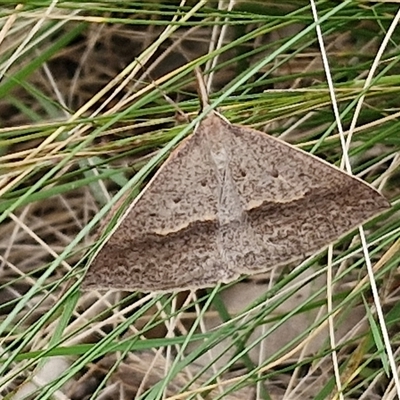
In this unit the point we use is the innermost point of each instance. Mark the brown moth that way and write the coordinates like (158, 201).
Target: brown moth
(229, 200)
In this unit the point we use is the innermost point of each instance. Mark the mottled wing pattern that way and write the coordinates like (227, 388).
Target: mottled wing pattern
(167, 239)
(295, 203)
(229, 200)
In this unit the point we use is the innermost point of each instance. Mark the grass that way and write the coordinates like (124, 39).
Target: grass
(89, 94)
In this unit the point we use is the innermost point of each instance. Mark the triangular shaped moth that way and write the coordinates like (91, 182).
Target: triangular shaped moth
(229, 200)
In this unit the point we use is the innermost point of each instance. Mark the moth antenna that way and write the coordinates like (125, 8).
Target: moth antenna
(179, 112)
(201, 88)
